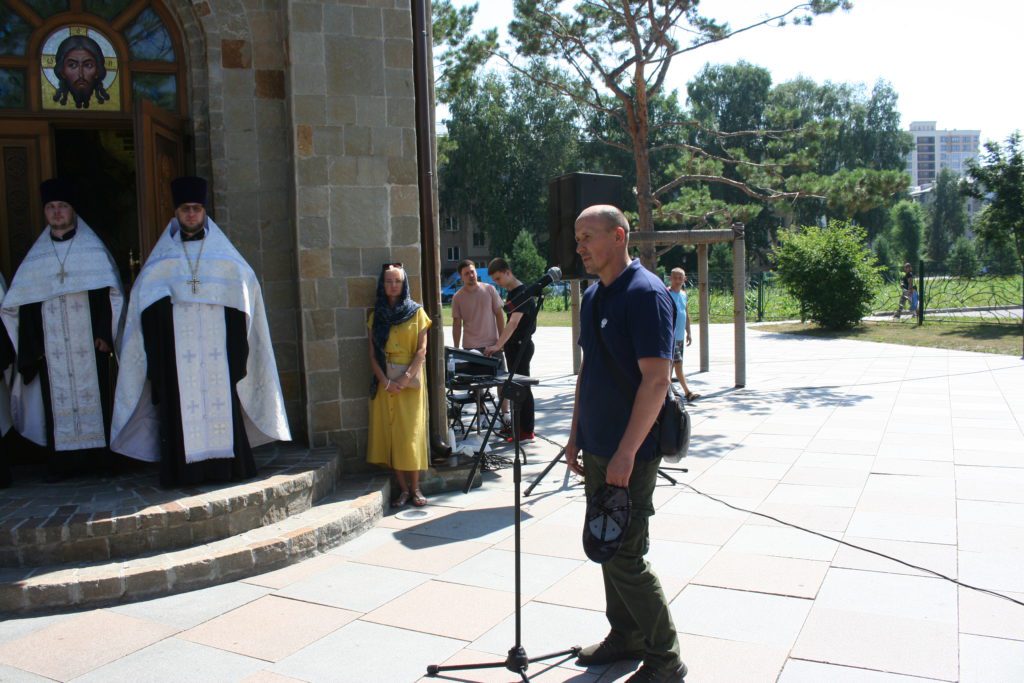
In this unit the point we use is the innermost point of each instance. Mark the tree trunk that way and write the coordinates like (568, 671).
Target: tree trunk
(639, 132)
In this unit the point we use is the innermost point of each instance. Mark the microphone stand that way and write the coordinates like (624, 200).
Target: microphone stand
(517, 660)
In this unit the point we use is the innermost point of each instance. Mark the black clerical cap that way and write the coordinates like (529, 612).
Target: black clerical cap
(57, 190)
(188, 189)
(606, 522)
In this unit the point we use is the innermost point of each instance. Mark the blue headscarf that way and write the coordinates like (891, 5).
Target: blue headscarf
(385, 315)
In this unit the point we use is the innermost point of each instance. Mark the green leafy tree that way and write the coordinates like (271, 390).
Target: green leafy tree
(999, 178)
(526, 261)
(885, 255)
(963, 258)
(831, 271)
(996, 253)
(857, 142)
(907, 230)
(619, 54)
(506, 138)
(837, 142)
(948, 219)
(458, 52)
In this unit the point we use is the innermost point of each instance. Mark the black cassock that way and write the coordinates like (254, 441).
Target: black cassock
(162, 372)
(31, 363)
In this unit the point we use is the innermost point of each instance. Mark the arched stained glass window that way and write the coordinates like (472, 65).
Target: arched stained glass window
(148, 39)
(47, 8)
(108, 9)
(14, 32)
(126, 49)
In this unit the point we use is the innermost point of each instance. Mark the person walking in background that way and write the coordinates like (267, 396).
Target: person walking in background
(398, 391)
(907, 291)
(677, 290)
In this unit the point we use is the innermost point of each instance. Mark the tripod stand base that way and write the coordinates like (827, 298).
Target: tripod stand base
(516, 662)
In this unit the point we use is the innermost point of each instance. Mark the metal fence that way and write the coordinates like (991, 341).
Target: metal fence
(943, 297)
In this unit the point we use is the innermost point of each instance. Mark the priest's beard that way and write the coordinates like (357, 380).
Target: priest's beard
(65, 225)
(191, 230)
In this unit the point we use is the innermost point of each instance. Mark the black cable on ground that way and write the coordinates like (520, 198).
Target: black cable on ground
(837, 540)
(854, 545)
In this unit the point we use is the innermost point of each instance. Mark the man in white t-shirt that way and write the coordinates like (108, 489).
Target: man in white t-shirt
(476, 310)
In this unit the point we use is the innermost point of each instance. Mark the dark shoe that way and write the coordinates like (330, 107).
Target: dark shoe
(651, 674)
(608, 651)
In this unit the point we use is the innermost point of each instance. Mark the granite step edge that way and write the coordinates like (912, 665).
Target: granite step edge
(334, 521)
(188, 521)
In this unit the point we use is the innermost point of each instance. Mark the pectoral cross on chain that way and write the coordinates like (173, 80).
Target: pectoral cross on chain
(195, 282)
(62, 274)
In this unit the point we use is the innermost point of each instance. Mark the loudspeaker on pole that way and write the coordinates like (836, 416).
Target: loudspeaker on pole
(568, 195)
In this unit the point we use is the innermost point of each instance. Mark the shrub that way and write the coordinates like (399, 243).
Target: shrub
(886, 257)
(963, 258)
(831, 271)
(999, 256)
(526, 261)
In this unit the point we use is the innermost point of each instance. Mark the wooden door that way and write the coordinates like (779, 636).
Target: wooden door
(160, 158)
(26, 159)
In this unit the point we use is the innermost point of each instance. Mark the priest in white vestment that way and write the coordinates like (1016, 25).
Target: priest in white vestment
(62, 314)
(198, 386)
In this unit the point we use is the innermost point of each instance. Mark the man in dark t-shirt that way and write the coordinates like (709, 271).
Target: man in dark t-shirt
(627, 323)
(518, 334)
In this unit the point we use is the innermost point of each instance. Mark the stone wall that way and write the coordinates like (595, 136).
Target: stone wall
(303, 114)
(352, 120)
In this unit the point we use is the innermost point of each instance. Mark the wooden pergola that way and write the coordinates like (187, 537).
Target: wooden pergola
(702, 239)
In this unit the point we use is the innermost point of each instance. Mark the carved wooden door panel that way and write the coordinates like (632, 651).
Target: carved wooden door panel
(160, 158)
(26, 159)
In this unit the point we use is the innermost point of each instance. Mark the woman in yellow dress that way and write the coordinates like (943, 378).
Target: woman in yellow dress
(398, 392)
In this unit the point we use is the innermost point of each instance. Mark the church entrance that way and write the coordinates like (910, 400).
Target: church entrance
(91, 91)
(102, 162)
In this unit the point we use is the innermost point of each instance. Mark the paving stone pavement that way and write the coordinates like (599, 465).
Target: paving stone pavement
(912, 452)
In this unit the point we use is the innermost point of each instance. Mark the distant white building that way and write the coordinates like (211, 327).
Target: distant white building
(935, 150)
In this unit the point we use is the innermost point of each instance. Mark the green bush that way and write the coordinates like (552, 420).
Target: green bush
(886, 256)
(526, 261)
(831, 271)
(999, 256)
(963, 258)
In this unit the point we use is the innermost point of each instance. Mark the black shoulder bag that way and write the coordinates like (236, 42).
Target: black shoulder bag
(672, 428)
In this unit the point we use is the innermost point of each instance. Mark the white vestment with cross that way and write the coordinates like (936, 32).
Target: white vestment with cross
(68, 337)
(222, 278)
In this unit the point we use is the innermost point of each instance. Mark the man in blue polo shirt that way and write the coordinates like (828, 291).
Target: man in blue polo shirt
(634, 315)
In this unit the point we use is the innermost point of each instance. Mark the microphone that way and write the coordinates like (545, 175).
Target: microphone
(554, 274)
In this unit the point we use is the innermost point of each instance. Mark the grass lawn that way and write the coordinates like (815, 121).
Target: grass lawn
(961, 336)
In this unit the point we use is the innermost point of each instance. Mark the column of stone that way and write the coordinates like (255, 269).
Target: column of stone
(356, 194)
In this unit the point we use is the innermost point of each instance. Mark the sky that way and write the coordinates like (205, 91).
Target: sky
(956, 63)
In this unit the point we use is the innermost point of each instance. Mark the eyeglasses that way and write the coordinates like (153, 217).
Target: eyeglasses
(386, 266)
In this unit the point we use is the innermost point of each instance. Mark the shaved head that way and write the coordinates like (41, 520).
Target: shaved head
(607, 214)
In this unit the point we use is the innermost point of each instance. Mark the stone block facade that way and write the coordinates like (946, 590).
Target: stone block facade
(303, 117)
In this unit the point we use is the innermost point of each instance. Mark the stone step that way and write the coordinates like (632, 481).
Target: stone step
(98, 520)
(354, 508)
